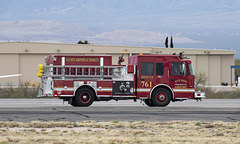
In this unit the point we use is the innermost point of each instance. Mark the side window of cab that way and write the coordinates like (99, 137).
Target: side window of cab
(147, 68)
(159, 68)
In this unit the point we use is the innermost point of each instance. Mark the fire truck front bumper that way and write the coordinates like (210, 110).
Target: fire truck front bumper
(199, 95)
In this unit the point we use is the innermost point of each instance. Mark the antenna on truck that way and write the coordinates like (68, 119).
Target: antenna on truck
(181, 55)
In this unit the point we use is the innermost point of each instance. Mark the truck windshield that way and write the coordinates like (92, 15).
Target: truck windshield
(191, 69)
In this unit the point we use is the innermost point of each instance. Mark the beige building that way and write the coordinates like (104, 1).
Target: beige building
(24, 57)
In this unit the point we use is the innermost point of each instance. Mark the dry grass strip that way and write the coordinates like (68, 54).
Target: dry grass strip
(91, 132)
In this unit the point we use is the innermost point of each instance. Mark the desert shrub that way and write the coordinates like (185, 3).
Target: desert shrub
(210, 94)
(24, 90)
(235, 94)
(200, 80)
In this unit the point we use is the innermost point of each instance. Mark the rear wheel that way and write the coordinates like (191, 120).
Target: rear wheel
(83, 98)
(149, 103)
(73, 103)
(161, 97)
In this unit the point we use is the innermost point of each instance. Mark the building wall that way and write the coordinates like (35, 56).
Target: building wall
(214, 71)
(226, 62)
(9, 64)
(202, 64)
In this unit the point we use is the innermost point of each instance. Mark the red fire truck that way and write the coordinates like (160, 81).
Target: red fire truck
(154, 79)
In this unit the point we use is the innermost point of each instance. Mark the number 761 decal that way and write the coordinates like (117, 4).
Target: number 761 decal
(146, 84)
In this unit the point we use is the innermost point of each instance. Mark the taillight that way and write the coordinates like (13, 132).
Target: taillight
(198, 94)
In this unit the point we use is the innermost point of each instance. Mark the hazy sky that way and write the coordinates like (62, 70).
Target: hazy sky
(209, 24)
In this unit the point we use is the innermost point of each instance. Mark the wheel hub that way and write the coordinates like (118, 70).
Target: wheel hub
(161, 97)
(85, 97)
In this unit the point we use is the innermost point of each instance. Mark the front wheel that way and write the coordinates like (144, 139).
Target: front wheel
(149, 103)
(161, 97)
(83, 98)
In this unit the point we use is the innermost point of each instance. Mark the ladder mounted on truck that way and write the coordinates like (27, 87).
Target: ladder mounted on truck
(79, 72)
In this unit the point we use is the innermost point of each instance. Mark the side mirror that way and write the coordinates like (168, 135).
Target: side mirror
(183, 70)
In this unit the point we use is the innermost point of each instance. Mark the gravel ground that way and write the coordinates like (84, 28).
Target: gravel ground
(120, 132)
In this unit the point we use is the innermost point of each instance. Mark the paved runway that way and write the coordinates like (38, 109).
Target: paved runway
(25, 110)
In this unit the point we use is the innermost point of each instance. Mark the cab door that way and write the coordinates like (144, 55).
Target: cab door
(145, 76)
(178, 79)
(162, 70)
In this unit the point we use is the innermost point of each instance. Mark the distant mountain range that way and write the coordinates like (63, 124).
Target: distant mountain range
(48, 31)
(213, 24)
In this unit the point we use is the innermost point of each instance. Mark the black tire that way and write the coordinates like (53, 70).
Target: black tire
(74, 103)
(149, 103)
(83, 98)
(161, 97)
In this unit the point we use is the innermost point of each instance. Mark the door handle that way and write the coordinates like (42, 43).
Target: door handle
(172, 79)
(142, 79)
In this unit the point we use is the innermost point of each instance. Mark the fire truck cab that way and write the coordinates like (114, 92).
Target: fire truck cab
(155, 79)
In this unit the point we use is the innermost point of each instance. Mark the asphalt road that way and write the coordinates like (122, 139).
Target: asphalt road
(25, 110)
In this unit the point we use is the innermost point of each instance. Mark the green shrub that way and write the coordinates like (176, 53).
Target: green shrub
(198, 124)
